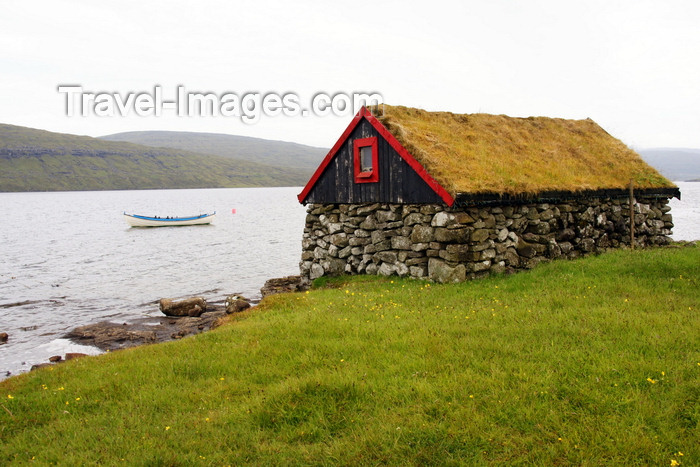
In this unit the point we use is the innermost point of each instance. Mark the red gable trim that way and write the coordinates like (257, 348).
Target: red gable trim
(381, 129)
(327, 160)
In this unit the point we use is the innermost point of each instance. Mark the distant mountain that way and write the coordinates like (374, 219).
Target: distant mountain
(38, 160)
(262, 151)
(677, 164)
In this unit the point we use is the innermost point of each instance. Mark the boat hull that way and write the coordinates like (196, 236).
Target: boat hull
(136, 220)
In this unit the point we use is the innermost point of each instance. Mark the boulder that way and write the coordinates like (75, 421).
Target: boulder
(289, 283)
(194, 306)
(4, 337)
(236, 304)
(74, 355)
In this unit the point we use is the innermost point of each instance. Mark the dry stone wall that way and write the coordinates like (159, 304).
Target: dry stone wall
(451, 245)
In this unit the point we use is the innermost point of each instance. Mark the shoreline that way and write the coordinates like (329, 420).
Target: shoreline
(107, 336)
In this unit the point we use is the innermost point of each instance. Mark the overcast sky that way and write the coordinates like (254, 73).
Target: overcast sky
(632, 66)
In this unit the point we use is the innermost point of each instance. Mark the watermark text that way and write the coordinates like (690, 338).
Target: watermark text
(249, 106)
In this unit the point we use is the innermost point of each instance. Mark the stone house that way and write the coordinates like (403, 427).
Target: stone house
(451, 197)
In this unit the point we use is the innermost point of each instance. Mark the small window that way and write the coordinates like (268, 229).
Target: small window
(366, 160)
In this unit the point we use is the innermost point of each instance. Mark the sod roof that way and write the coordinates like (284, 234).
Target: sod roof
(482, 153)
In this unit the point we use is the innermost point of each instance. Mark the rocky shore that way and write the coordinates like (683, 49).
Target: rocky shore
(180, 319)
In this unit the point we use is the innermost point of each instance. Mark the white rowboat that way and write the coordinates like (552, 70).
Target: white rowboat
(136, 220)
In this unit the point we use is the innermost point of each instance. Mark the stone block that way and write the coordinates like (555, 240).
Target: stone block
(417, 272)
(443, 219)
(370, 223)
(334, 227)
(441, 271)
(587, 244)
(400, 243)
(358, 241)
(482, 246)
(386, 257)
(463, 218)
(377, 236)
(339, 240)
(307, 255)
(333, 251)
(482, 265)
(422, 234)
(417, 261)
(479, 235)
(316, 271)
(367, 209)
(525, 249)
(345, 252)
(430, 209)
(413, 219)
(452, 236)
(511, 258)
(381, 246)
(386, 269)
(488, 254)
(387, 216)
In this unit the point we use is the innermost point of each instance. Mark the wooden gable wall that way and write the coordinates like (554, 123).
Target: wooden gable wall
(398, 182)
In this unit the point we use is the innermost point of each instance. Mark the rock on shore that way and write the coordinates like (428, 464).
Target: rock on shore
(110, 336)
(282, 285)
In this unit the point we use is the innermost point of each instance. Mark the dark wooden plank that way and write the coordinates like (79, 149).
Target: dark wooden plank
(398, 182)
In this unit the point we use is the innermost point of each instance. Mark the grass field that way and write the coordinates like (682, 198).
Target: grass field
(587, 362)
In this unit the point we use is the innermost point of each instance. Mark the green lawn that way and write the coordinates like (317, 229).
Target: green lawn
(588, 362)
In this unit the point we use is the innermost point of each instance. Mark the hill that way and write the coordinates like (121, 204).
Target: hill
(263, 151)
(38, 160)
(678, 164)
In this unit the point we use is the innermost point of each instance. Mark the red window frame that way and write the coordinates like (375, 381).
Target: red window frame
(369, 176)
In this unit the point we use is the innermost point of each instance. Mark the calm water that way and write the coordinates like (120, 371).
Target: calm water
(686, 212)
(75, 261)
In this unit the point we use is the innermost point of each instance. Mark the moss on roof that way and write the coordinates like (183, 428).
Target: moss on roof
(481, 153)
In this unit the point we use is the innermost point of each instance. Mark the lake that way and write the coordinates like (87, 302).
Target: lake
(69, 258)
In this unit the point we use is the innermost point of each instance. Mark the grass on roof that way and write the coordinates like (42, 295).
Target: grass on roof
(483, 153)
